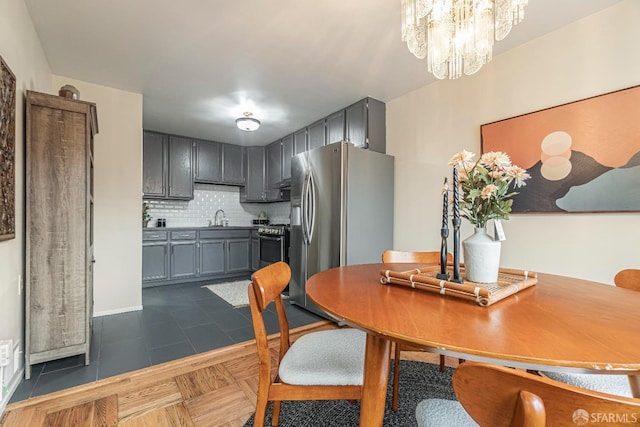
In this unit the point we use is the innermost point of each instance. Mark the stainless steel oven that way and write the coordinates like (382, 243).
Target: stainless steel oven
(274, 244)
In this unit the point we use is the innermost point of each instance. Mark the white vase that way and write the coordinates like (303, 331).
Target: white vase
(481, 257)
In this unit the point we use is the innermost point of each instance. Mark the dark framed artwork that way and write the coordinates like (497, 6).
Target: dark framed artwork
(583, 156)
(7, 152)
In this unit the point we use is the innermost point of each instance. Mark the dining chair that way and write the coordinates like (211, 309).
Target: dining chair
(497, 396)
(324, 365)
(393, 256)
(620, 385)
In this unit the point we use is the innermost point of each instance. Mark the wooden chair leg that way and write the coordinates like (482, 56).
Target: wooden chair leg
(442, 366)
(275, 420)
(396, 378)
(261, 411)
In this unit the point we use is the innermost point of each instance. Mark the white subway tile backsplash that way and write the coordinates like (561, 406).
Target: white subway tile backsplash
(207, 199)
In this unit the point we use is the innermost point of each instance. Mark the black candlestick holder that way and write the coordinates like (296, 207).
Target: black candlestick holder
(456, 251)
(443, 275)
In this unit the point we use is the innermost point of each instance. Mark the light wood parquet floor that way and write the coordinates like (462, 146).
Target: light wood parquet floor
(215, 389)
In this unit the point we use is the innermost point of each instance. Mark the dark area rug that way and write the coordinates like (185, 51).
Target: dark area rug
(418, 381)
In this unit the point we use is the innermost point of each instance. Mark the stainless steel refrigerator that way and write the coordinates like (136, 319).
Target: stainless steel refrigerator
(341, 212)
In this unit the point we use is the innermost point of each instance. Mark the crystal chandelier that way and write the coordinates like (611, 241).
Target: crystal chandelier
(457, 36)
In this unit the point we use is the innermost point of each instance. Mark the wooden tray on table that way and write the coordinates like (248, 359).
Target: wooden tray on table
(509, 282)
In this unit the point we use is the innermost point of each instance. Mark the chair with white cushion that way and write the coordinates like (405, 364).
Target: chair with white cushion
(491, 395)
(324, 365)
(393, 256)
(620, 385)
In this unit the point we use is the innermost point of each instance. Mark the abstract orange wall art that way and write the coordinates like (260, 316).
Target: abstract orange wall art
(583, 156)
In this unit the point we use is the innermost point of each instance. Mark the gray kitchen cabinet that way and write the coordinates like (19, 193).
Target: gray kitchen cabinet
(155, 255)
(365, 124)
(208, 162)
(167, 167)
(212, 256)
(273, 170)
(287, 153)
(183, 254)
(254, 168)
(232, 170)
(59, 161)
(180, 168)
(316, 134)
(218, 163)
(238, 255)
(155, 261)
(335, 127)
(154, 164)
(255, 251)
(300, 142)
(172, 256)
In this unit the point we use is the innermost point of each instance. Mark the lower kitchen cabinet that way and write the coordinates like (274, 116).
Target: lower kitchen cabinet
(212, 257)
(183, 260)
(238, 251)
(172, 256)
(155, 262)
(255, 251)
(155, 255)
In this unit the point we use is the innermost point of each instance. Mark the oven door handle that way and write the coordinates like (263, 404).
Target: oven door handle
(271, 238)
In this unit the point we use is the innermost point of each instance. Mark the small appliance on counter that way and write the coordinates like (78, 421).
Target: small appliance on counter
(161, 222)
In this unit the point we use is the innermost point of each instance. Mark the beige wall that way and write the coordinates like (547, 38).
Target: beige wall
(21, 50)
(118, 196)
(426, 127)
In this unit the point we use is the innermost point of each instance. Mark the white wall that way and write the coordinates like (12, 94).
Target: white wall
(596, 55)
(118, 196)
(21, 50)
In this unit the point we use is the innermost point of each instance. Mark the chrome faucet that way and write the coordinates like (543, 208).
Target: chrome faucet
(216, 220)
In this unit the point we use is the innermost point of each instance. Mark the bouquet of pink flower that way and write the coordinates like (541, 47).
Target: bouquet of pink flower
(484, 185)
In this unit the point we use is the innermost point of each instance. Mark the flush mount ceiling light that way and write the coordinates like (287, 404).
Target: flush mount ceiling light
(247, 123)
(457, 36)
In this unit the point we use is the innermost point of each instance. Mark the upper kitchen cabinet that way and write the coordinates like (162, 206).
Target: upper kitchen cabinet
(218, 163)
(154, 164)
(208, 162)
(253, 190)
(180, 168)
(300, 142)
(365, 124)
(316, 135)
(335, 127)
(273, 170)
(287, 153)
(232, 167)
(167, 167)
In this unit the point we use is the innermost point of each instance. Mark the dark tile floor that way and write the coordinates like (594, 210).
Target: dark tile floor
(176, 321)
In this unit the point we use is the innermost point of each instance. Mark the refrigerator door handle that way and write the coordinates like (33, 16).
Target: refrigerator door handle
(312, 210)
(304, 207)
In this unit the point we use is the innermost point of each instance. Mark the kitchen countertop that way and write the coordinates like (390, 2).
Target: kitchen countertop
(228, 227)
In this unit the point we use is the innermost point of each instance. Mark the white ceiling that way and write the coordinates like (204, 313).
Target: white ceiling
(198, 63)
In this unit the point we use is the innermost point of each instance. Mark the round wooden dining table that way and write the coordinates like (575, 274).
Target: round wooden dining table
(561, 323)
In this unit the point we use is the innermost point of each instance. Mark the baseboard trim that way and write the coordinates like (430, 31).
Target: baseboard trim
(117, 311)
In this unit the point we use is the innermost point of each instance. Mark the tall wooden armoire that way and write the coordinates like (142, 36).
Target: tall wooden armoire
(59, 228)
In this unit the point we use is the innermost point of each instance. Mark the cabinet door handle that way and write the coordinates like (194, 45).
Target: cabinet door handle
(185, 235)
